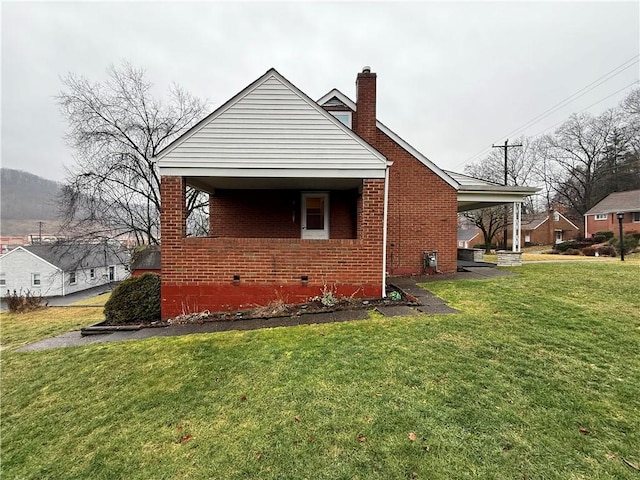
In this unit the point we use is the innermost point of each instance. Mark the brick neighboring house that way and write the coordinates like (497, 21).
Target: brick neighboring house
(304, 196)
(547, 228)
(602, 216)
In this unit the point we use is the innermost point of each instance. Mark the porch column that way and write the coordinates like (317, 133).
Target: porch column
(517, 225)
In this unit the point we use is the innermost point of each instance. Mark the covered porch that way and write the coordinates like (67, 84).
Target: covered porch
(475, 194)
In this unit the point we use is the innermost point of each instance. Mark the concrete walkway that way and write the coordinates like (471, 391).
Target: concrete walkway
(430, 304)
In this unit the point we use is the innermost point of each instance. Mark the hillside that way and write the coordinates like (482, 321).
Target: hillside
(25, 200)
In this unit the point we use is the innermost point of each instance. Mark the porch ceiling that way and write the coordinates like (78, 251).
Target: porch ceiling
(210, 184)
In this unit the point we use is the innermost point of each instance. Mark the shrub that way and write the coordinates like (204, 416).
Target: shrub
(607, 234)
(589, 251)
(599, 238)
(135, 300)
(572, 244)
(572, 251)
(18, 302)
(630, 243)
(607, 251)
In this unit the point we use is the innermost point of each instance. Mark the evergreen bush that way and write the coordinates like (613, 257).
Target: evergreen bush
(136, 300)
(630, 243)
(608, 234)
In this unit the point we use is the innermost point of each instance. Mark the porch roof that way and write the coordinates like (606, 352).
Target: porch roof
(474, 193)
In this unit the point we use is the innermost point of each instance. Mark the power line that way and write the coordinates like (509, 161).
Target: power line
(599, 81)
(588, 107)
(575, 96)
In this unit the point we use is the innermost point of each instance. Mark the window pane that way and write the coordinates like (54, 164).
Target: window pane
(315, 213)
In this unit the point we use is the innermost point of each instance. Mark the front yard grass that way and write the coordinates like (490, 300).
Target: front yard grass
(538, 378)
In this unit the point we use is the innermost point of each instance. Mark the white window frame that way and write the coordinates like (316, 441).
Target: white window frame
(636, 217)
(600, 216)
(92, 273)
(314, 234)
(111, 268)
(556, 216)
(347, 115)
(3, 280)
(36, 280)
(73, 278)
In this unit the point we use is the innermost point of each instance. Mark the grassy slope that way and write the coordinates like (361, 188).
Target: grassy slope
(500, 391)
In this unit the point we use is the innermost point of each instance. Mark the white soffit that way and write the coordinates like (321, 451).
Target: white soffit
(271, 129)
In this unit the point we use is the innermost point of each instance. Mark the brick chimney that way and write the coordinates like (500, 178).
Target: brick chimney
(365, 116)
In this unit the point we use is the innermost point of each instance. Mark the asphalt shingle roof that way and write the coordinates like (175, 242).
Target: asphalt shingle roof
(618, 202)
(69, 257)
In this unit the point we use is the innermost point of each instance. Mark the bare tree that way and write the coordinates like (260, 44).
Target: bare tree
(588, 157)
(521, 170)
(116, 129)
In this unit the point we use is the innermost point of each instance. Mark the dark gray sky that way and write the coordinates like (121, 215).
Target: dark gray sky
(453, 77)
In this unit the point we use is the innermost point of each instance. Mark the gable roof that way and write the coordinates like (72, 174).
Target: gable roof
(628, 201)
(69, 257)
(271, 129)
(336, 97)
(467, 234)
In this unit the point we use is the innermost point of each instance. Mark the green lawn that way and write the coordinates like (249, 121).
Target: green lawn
(538, 378)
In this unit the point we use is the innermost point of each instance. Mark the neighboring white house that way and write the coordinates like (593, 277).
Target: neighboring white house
(54, 270)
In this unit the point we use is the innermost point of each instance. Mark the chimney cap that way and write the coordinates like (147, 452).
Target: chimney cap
(366, 69)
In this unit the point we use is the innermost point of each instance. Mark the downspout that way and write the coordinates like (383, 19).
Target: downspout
(62, 281)
(384, 230)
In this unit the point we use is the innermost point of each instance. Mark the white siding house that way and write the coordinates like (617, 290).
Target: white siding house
(55, 270)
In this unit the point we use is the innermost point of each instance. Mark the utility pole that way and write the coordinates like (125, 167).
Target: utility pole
(506, 147)
(40, 232)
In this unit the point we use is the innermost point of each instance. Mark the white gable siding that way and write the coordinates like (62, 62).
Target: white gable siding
(18, 267)
(272, 127)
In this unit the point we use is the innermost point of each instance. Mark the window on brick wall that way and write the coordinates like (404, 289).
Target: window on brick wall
(636, 217)
(601, 216)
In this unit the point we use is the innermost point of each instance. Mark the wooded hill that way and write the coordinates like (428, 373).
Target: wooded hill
(25, 200)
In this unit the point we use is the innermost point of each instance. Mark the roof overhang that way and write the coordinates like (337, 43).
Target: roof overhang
(210, 184)
(473, 199)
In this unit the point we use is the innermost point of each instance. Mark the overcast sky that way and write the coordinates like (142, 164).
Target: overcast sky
(453, 77)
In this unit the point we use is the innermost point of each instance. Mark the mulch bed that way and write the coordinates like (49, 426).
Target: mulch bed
(395, 296)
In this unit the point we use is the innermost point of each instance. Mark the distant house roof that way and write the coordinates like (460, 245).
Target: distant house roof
(618, 202)
(68, 257)
(531, 221)
(467, 234)
(146, 259)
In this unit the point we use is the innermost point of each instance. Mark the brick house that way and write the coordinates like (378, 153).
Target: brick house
(304, 196)
(547, 228)
(602, 216)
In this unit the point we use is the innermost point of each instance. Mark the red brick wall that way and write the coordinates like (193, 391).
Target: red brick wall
(275, 213)
(611, 224)
(422, 213)
(197, 273)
